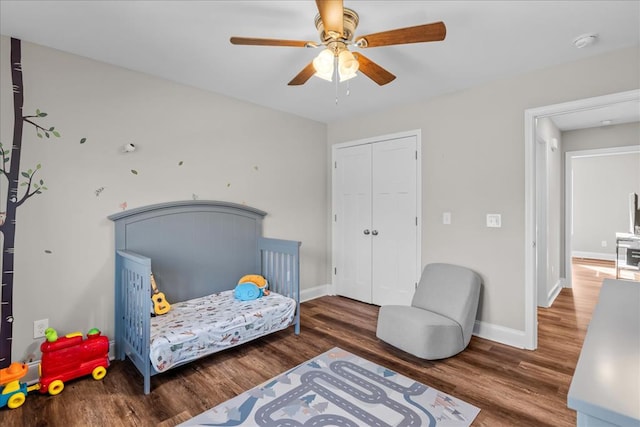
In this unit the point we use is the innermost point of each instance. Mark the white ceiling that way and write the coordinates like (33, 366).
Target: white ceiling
(188, 42)
(610, 115)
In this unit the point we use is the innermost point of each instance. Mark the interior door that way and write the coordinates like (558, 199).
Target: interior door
(395, 221)
(375, 226)
(352, 222)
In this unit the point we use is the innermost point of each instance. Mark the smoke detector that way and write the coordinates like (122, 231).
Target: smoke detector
(585, 40)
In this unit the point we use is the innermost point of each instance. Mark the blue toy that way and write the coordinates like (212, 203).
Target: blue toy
(247, 291)
(250, 287)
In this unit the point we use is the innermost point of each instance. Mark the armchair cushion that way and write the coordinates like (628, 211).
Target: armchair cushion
(423, 333)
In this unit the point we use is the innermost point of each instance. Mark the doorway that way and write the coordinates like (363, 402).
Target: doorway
(533, 211)
(616, 193)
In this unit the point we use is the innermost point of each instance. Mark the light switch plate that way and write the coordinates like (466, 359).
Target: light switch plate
(446, 218)
(494, 220)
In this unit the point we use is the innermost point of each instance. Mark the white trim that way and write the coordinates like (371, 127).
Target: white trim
(568, 218)
(593, 255)
(414, 132)
(554, 292)
(541, 166)
(501, 334)
(315, 292)
(530, 116)
(530, 334)
(599, 152)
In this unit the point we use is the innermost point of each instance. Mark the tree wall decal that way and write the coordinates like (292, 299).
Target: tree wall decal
(16, 180)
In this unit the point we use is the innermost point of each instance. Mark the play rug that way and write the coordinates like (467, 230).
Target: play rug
(338, 388)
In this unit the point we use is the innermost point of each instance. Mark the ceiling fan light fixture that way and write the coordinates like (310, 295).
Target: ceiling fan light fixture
(347, 65)
(323, 64)
(336, 26)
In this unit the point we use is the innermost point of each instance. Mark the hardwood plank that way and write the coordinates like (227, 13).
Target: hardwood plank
(510, 385)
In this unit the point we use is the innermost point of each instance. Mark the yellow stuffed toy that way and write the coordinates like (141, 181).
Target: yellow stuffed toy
(257, 280)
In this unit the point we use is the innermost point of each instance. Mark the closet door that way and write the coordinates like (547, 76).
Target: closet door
(394, 221)
(375, 225)
(352, 222)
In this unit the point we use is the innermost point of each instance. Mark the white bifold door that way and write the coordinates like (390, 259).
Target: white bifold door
(375, 220)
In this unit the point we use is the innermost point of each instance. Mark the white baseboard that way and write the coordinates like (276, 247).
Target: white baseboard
(594, 255)
(316, 292)
(554, 292)
(484, 330)
(501, 334)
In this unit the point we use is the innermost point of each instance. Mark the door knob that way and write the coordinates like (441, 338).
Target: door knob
(374, 232)
(366, 232)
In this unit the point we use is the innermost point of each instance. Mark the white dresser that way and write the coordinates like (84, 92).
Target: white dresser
(605, 389)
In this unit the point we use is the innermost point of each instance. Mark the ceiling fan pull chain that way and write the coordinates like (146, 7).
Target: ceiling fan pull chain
(348, 88)
(335, 70)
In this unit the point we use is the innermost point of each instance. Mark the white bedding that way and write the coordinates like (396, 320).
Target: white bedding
(201, 326)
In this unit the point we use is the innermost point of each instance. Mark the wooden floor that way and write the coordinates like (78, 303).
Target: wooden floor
(512, 387)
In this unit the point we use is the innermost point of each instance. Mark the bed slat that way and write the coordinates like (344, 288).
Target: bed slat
(133, 312)
(280, 265)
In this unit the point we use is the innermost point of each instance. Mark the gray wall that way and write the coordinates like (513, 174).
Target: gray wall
(473, 164)
(190, 143)
(589, 240)
(601, 186)
(601, 137)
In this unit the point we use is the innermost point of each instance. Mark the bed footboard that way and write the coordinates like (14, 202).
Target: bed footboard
(280, 265)
(133, 312)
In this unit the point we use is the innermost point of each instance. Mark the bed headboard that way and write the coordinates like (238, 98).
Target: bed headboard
(196, 247)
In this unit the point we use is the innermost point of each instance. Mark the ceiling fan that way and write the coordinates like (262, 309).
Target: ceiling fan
(336, 25)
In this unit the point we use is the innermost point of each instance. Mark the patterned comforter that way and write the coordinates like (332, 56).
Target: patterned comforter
(205, 325)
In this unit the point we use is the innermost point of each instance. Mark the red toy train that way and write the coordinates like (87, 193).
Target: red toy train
(63, 359)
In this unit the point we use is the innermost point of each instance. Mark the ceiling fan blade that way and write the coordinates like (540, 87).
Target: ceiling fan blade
(332, 15)
(374, 71)
(435, 31)
(303, 75)
(271, 42)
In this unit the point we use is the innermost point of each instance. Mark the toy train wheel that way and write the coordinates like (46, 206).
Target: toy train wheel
(16, 400)
(99, 373)
(56, 387)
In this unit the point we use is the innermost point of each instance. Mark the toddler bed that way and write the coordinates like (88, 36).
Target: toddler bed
(197, 251)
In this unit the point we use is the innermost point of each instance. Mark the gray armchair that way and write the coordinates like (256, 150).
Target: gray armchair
(440, 320)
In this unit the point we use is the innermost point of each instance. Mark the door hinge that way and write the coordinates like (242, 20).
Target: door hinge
(335, 270)
(416, 221)
(335, 164)
(416, 285)
(416, 154)
(335, 218)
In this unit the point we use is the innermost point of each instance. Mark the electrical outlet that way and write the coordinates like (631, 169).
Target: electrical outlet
(39, 326)
(494, 220)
